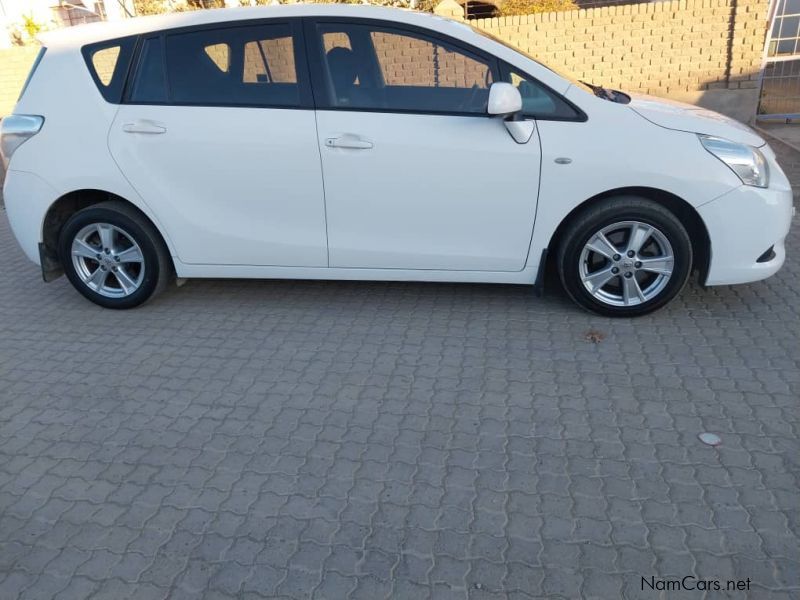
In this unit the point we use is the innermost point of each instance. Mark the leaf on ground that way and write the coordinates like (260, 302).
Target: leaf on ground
(594, 336)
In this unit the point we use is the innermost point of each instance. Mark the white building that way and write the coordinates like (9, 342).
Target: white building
(49, 14)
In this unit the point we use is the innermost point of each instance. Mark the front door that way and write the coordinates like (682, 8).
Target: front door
(218, 136)
(417, 176)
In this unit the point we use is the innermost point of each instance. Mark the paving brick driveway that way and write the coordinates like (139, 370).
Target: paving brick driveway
(369, 440)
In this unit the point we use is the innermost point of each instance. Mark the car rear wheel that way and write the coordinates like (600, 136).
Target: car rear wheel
(114, 256)
(626, 257)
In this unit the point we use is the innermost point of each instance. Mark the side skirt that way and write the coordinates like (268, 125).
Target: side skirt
(527, 276)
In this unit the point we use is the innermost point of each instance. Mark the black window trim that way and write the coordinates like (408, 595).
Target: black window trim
(136, 64)
(305, 101)
(128, 46)
(318, 77)
(580, 116)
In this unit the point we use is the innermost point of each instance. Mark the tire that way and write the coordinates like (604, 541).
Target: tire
(644, 281)
(136, 265)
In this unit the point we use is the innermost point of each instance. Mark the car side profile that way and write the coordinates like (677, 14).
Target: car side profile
(355, 142)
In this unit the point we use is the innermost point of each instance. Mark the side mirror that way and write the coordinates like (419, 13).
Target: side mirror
(504, 100)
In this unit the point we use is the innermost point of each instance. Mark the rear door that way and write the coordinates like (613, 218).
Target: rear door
(217, 134)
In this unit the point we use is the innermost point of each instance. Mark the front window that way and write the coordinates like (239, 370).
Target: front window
(377, 68)
(538, 101)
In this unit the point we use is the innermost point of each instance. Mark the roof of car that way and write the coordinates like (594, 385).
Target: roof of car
(97, 32)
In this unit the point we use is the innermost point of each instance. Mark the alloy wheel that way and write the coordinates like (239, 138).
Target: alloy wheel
(626, 263)
(108, 260)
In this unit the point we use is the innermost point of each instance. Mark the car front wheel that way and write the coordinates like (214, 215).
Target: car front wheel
(113, 255)
(625, 257)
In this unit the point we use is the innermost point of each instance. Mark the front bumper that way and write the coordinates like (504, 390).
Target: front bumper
(743, 225)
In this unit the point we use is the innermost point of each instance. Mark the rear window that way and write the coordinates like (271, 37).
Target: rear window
(108, 64)
(240, 66)
(234, 66)
(36, 62)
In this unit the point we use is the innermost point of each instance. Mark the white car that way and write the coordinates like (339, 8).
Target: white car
(352, 142)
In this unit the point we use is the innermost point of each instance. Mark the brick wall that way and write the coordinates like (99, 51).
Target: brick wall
(279, 53)
(686, 49)
(15, 63)
(659, 48)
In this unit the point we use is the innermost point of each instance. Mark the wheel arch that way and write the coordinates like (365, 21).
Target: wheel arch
(59, 212)
(685, 212)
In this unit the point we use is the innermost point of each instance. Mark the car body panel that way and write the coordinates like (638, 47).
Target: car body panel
(70, 153)
(763, 219)
(619, 155)
(693, 119)
(526, 276)
(454, 192)
(233, 185)
(27, 198)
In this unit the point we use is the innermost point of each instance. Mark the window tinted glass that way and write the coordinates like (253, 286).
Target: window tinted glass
(387, 69)
(220, 54)
(149, 84)
(104, 61)
(537, 100)
(250, 66)
(269, 60)
(108, 63)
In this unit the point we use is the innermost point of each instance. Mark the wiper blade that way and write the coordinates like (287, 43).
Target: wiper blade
(602, 92)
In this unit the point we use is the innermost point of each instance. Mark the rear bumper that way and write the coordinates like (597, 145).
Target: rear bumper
(27, 198)
(742, 226)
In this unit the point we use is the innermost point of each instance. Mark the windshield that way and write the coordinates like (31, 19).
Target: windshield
(572, 80)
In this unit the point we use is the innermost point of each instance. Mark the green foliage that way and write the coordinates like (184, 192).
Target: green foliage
(427, 5)
(31, 26)
(158, 7)
(149, 7)
(529, 7)
(198, 4)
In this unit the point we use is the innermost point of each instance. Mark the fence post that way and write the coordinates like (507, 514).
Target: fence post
(450, 9)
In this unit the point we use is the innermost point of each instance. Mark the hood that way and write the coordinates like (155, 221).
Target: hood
(694, 119)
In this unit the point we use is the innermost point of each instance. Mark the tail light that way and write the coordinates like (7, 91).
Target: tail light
(15, 130)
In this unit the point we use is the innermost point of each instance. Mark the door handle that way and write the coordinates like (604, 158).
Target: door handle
(143, 126)
(352, 142)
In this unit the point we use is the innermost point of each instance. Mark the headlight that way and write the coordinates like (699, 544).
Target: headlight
(746, 161)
